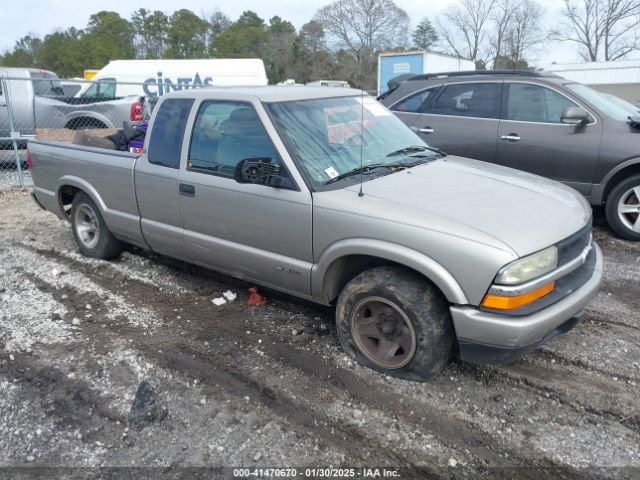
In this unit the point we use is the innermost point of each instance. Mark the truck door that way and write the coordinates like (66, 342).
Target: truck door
(156, 178)
(252, 231)
(532, 138)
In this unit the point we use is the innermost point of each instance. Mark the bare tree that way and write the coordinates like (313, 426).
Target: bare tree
(603, 29)
(464, 28)
(361, 27)
(525, 31)
(502, 16)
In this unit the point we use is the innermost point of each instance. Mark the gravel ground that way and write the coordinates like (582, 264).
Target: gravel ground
(9, 176)
(129, 363)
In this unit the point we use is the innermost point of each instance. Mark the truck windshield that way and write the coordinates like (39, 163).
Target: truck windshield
(328, 136)
(602, 103)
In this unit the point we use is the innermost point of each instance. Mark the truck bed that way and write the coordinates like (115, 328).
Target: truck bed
(105, 175)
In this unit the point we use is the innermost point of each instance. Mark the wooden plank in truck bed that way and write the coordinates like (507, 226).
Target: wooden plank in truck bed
(66, 135)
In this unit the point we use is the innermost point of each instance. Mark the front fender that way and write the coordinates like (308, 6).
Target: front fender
(408, 257)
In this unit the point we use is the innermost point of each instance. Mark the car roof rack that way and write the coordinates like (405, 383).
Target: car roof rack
(469, 73)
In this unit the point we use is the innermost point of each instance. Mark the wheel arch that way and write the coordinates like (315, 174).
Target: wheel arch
(620, 172)
(343, 260)
(69, 187)
(87, 115)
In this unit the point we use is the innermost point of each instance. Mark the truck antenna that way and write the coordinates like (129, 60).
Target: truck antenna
(360, 193)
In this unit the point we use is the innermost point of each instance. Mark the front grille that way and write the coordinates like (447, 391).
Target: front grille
(571, 247)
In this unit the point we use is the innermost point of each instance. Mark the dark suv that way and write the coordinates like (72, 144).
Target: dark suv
(531, 121)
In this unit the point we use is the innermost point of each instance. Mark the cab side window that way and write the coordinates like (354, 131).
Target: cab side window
(416, 103)
(534, 103)
(226, 132)
(165, 144)
(480, 100)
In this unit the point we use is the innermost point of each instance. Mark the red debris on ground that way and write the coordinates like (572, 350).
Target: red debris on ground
(255, 298)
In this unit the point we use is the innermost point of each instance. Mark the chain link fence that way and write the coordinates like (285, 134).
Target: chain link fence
(35, 103)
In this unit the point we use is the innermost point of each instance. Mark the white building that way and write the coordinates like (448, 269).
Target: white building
(621, 78)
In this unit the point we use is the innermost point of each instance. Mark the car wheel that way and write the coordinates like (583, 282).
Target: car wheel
(395, 321)
(623, 208)
(89, 230)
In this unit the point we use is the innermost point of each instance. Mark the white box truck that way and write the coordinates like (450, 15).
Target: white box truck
(397, 63)
(154, 78)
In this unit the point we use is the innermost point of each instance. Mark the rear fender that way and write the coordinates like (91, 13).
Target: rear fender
(86, 187)
(89, 114)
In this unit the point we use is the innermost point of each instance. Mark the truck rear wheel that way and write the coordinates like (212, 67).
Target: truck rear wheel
(89, 230)
(623, 208)
(394, 321)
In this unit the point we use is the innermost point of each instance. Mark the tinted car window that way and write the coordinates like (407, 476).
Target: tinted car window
(225, 133)
(534, 103)
(469, 100)
(415, 103)
(167, 133)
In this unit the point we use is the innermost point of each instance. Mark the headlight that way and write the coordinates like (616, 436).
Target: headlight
(530, 267)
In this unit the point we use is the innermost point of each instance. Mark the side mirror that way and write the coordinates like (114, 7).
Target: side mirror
(256, 170)
(574, 116)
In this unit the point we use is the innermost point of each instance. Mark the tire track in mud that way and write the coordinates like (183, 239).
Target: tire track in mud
(563, 387)
(581, 365)
(67, 397)
(453, 432)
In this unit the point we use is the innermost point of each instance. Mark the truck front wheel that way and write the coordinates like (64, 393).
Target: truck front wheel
(395, 321)
(89, 230)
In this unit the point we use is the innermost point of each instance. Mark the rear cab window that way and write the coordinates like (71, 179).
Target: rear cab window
(479, 100)
(167, 133)
(46, 84)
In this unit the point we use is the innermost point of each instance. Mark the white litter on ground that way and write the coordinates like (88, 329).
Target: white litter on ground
(218, 301)
(229, 295)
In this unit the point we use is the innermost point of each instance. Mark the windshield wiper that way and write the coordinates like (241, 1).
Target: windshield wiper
(374, 166)
(416, 149)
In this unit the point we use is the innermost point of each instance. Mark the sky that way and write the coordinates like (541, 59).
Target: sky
(41, 17)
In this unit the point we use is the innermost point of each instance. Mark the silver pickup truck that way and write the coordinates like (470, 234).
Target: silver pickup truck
(324, 194)
(36, 99)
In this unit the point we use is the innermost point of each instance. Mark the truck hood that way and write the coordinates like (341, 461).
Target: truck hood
(523, 212)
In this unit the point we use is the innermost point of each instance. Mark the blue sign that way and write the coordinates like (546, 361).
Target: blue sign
(156, 87)
(394, 65)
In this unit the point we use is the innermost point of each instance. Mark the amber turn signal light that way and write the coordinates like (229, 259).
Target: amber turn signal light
(500, 302)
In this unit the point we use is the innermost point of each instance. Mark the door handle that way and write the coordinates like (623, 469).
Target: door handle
(187, 190)
(512, 137)
(426, 130)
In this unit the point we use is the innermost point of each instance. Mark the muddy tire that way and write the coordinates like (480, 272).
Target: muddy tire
(89, 230)
(395, 321)
(623, 208)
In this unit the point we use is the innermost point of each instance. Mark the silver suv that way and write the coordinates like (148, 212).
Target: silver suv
(536, 122)
(324, 194)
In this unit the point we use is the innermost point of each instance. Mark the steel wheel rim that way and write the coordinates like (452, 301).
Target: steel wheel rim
(86, 223)
(629, 209)
(383, 332)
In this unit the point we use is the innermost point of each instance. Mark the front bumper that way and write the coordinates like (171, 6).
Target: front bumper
(486, 337)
